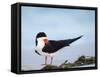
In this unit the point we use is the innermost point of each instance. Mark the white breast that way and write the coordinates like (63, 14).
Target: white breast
(39, 47)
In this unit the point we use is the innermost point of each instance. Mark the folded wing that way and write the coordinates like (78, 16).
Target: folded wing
(53, 45)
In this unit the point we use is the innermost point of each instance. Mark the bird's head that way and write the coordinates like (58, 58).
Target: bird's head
(42, 38)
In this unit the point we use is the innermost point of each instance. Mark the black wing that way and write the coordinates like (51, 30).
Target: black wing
(53, 45)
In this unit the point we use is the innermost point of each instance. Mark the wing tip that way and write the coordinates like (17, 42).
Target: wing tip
(81, 36)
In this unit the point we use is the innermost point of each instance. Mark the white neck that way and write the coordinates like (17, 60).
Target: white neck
(40, 43)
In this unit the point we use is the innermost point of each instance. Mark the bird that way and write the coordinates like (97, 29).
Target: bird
(48, 48)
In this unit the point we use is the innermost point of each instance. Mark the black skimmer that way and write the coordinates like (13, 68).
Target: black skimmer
(48, 48)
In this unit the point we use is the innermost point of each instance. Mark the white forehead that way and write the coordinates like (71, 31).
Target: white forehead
(41, 38)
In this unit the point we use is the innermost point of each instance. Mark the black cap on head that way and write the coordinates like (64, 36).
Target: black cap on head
(41, 34)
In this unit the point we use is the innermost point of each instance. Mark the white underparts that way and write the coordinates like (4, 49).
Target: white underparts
(40, 45)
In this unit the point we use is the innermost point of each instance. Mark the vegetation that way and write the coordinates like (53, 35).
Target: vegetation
(82, 60)
(48, 67)
(85, 60)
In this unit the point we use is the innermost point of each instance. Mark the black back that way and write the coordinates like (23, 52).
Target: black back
(54, 46)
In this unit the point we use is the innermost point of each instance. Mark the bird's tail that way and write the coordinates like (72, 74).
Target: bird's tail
(69, 41)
